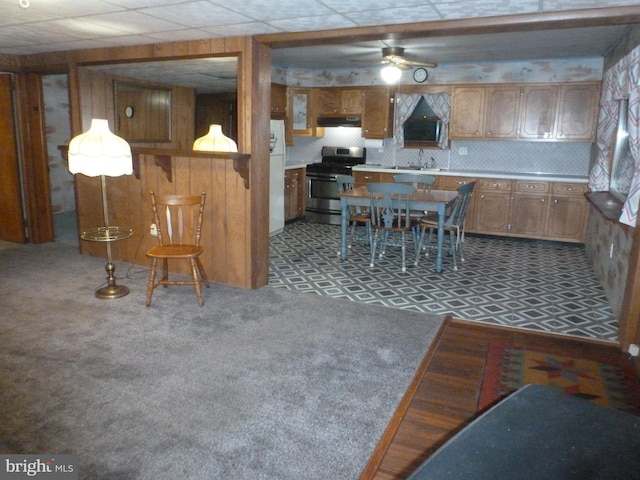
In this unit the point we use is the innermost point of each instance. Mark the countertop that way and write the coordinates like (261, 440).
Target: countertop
(292, 166)
(550, 177)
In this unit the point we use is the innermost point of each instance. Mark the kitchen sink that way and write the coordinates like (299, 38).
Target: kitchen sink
(413, 167)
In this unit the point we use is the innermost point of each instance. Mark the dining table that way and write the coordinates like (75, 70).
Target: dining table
(422, 200)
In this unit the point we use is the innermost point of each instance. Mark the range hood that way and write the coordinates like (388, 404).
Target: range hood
(339, 121)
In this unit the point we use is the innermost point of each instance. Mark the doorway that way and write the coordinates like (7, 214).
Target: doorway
(55, 92)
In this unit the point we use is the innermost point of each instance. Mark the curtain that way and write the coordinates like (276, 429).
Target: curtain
(630, 208)
(440, 103)
(620, 81)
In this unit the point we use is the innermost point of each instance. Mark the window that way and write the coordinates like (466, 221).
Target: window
(423, 127)
(623, 164)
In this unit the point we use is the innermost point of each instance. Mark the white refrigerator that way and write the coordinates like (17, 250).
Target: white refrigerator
(276, 180)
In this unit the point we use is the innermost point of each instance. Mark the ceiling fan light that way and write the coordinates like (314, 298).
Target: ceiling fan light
(391, 74)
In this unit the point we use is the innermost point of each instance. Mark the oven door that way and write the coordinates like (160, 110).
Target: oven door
(323, 198)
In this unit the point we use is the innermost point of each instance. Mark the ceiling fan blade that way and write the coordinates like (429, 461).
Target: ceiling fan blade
(416, 63)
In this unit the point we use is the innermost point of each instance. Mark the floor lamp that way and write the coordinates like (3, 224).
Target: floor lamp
(99, 152)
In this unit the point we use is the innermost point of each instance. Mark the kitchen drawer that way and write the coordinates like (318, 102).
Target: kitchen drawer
(493, 185)
(565, 188)
(531, 186)
(453, 183)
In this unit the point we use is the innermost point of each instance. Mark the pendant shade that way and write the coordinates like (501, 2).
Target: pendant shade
(215, 141)
(98, 151)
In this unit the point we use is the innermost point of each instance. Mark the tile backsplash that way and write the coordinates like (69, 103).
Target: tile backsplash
(562, 158)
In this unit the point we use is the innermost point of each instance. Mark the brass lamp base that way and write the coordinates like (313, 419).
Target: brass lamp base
(109, 292)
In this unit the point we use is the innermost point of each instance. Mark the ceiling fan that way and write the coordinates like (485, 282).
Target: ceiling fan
(395, 56)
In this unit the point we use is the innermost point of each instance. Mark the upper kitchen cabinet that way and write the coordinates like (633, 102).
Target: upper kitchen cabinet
(577, 112)
(301, 111)
(339, 101)
(377, 114)
(278, 101)
(467, 112)
(551, 112)
(501, 112)
(537, 120)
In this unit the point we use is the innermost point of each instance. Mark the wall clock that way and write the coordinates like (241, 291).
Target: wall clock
(128, 111)
(420, 75)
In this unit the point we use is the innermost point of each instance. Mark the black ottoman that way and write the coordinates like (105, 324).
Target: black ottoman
(540, 433)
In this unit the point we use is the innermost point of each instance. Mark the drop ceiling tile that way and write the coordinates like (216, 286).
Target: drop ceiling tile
(465, 9)
(554, 5)
(419, 13)
(344, 6)
(132, 22)
(197, 14)
(322, 22)
(242, 29)
(265, 10)
(184, 34)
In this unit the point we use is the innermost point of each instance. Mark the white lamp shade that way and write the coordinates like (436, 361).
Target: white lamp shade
(98, 151)
(391, 74)
(215, 141)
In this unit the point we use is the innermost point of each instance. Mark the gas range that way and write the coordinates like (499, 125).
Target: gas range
(323, 194)
(338, 160)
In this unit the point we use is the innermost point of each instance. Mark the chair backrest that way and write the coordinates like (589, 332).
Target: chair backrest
(178, 218)
(345, 182)
(420, 181)
(460, 205)
(390, 204)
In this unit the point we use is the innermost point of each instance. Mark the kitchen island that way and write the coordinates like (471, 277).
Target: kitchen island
(526, 205)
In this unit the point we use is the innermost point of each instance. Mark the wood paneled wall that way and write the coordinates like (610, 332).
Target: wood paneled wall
(97, 100)
(129, 204)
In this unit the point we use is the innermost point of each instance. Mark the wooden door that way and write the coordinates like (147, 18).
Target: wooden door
(577, 112)
(11, 211)
(502, 112)
(528, 215)
(538, 112)
(467, 112)
(376, 118)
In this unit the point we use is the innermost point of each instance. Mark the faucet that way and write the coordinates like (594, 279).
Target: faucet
(420, 155)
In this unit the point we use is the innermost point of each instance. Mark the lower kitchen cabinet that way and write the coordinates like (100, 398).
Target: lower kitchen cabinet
(294, 193)
(534, 209)
(529, 208)
(567, 217)
(491, 207)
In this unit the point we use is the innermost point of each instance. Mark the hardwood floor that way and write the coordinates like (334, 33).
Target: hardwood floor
(443, 396)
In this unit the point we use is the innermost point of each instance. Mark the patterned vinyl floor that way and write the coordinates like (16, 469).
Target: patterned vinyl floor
(530, 284)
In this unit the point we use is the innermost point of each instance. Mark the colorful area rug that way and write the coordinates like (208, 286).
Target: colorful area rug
(510, 367)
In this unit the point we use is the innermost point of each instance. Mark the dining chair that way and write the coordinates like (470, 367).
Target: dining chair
(454, 224)
(178, 220)
(420, 181)
(357, 215)
(390, 205)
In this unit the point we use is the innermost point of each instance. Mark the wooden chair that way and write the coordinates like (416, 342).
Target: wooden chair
(420, 181)
(390, 215)
(178, 219)
(454, 224)
(357, 215)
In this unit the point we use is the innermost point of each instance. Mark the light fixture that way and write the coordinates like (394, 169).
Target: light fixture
(215, 141)
(99, 152)
(24, 3)
(391, 74)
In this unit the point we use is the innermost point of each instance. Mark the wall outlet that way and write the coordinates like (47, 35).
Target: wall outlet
(153, 230)
(462, 151)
